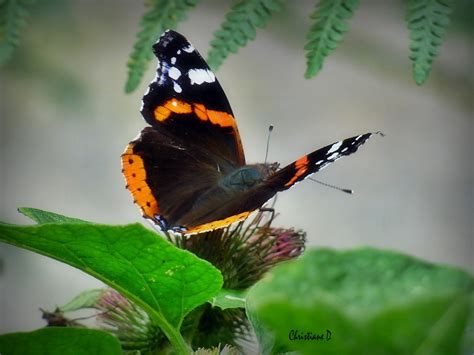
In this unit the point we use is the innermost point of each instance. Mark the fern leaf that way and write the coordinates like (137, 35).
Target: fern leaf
(330, 23)
(162, 15)
(13, 16)
(239, 27)
(427, 21)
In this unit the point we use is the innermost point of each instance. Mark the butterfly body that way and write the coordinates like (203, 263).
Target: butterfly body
(187, 171)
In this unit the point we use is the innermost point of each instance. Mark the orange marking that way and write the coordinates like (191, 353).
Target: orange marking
(163, 112)
(220, 118)
(178, 106)
(301, 166)
(217, 224)
(200, 111)
(134, 172)
(223, 119)
(174, 105)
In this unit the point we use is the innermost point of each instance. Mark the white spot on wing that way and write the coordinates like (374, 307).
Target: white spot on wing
(199, 76)
(176, 87)
(174, 73)
(189, 49)
(335, 147)
(333, 156)
(178, 52)
(163, 68)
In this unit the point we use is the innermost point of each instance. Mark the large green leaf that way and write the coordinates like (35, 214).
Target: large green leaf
(60, 341)
(363, 301)
(164, 280)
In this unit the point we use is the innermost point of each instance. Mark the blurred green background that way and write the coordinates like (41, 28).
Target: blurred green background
(65, 120)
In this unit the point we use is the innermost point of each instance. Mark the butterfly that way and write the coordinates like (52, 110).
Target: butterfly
(187, 170)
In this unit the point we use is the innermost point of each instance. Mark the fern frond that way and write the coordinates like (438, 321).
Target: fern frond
(239, 27)
(13, 16)
(427, 21)
(162, 15)
(330, 23)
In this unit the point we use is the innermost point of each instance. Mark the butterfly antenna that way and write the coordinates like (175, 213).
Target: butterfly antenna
(347, 191)
(270, 129)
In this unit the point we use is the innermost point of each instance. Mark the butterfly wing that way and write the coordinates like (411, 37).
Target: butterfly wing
(166, 175)
(238, 207)
(311, 163)
(186, 100)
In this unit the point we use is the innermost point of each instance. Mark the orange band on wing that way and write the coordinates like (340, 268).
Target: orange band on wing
(134, 171)
(220, 118)
(218, 224)
(223, 119)
(174, 105)
(301, 166)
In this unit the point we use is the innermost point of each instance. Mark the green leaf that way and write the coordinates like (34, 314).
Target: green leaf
(427, 21)
(364, 299)
(239, 27)
(60, 341)
(86, 299)
(42, 217)
(228, 299)
(13, 15)
(329, 25)
(162, 15)
(165, 281)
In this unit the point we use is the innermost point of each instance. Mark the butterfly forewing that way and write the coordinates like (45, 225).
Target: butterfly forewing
(187, 100)
(311, 163)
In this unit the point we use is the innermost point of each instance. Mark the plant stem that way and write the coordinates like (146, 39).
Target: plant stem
(174, 336)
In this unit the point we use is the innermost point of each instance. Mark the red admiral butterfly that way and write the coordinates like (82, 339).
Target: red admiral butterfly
(187, 172)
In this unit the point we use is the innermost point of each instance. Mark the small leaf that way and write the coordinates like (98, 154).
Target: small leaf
(228, 299)
(427, 21)
(162, 15)
(86, 299)
(239, 27)
(60, 341)
(42, 217)
(13, 15)
(165, 281)
(333, 302)
(330, 23)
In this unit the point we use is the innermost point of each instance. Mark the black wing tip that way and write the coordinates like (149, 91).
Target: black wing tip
(168, 37)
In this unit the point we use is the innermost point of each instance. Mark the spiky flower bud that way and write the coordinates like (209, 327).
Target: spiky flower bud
(128, 322)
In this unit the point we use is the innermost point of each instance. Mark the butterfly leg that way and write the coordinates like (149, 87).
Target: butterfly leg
(271, 210)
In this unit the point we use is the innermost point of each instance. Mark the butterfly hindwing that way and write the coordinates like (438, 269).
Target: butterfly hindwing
(187, 100)
(153, 168)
